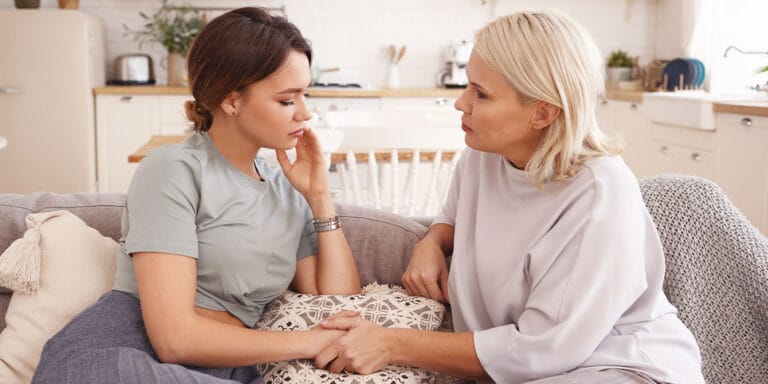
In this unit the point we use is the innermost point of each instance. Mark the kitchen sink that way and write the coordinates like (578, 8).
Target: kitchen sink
(693, 109)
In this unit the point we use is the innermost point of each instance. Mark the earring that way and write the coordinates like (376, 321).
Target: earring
(234, 113)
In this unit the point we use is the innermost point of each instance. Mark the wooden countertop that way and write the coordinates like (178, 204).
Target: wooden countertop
(312, 92)
(632, 96)
(756, 108)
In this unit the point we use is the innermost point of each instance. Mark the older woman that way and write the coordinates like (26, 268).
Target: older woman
(557, 269)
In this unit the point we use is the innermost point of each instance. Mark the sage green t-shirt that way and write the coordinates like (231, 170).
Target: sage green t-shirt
(187, 199)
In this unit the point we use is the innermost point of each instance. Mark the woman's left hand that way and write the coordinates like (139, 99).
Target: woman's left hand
(363, 349)
(309, 173)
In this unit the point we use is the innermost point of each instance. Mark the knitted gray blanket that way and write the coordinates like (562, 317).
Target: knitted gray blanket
(717, 275)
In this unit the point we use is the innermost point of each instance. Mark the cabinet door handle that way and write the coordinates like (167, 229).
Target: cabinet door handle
(441, 101)
(696, 156)
(333, 107)
(126, 99)
(747, 122)
(665, 150)
(633, 106)
(9, 90)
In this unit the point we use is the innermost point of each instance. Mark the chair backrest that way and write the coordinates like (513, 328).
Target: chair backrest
(406, 158)
(716, 275)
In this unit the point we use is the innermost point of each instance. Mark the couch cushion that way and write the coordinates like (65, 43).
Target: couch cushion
(101, 211)
(380, 241)
(77, 266)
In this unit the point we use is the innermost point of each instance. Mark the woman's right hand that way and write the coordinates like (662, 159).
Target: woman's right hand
(427, 272)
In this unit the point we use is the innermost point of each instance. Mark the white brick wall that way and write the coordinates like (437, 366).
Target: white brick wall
(354, 34)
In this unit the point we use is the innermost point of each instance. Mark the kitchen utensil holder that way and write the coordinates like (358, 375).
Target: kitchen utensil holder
(393, 76)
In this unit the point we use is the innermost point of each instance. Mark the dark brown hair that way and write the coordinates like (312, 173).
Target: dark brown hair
(234, 50)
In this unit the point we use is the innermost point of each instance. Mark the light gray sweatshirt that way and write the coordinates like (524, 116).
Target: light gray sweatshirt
(564, 277)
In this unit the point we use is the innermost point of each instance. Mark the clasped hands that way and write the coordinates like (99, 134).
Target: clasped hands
(363, 348)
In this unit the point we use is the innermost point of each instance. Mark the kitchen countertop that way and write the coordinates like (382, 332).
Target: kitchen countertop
(757, 108)
(632, 96)
(312, 92)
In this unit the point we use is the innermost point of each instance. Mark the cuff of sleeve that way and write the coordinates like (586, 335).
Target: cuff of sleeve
(442, 218)
(495, 355)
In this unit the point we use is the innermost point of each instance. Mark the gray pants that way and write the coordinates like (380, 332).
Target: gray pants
(107, 343)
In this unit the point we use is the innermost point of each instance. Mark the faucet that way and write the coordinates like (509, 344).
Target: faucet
(730, 47)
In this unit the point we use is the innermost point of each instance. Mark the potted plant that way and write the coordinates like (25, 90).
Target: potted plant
(620, 66)
(175, 28)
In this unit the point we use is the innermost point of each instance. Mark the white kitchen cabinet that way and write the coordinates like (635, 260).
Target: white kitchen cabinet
(320, 105)
(683, 150)
(173, 118)
(417, 103)
(123, 124)
(126, 122)
(742, 166)
(626, 121)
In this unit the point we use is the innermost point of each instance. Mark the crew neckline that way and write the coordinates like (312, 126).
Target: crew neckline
(259, 183)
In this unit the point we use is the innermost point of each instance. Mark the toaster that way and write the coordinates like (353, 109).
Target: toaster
(133, 69)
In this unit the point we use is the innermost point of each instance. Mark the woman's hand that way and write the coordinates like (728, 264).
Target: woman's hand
(427, 272)
(364, 348)
(309, 173)
(322, 338)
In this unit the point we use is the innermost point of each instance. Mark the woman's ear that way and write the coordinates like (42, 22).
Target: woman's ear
(231, 104)
(545, 114)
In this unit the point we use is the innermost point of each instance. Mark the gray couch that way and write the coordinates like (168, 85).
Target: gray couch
(717, 263)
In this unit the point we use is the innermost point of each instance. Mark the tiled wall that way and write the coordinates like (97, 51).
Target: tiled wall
(354, 34)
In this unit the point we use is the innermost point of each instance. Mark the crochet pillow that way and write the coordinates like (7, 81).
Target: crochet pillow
(77, 265)
(386, 305)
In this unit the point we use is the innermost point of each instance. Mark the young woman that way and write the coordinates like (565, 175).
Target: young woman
(211, 233)
(557, 269)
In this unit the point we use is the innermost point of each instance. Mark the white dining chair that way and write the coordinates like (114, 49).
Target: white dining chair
(406, 158)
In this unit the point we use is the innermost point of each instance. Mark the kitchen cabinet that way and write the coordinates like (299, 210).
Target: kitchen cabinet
(123, 124)
(320, 105)
(626, 121)
(682, 150)
(742, 164)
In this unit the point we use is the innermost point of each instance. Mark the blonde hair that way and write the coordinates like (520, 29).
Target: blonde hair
(546, 56)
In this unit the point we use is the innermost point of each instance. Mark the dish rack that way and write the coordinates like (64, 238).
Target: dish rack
(680, 74)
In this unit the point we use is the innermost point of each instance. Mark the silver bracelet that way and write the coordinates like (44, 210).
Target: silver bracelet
(326, 224)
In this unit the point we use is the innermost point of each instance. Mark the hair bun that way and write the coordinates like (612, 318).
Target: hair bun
(198, 115)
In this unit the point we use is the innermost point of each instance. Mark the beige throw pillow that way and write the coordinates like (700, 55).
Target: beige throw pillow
(77, 267)
(385, 305)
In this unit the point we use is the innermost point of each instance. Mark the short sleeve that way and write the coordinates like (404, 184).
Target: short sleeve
(161, 204)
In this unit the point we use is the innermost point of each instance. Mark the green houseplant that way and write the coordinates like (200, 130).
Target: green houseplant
(620, 59)
(175, 28)
(620, 66)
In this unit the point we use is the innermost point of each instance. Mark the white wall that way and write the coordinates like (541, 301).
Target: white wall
(354, 34)
(629, 25)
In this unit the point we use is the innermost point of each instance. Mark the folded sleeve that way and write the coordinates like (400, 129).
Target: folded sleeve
(161, 204)
(584, 274)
